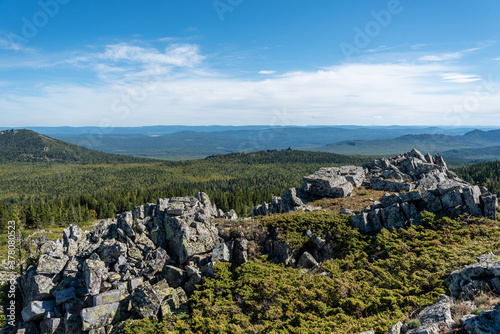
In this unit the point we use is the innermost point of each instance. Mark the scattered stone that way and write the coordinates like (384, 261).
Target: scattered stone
(307, 261)
(221, 253)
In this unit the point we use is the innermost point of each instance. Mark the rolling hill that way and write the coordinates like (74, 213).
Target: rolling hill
(177, 143)
(474, 145)
(30, 146)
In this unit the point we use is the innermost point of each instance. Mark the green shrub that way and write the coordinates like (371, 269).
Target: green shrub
(414, 324)
(478, 310)
(370, 283)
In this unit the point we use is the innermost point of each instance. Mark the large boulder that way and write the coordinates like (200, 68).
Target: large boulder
(490, 204)
(146, 301)
(94, 318)
(94, 271)
(37, 309)
(51, 265)
(329, 182)
(484, 323)
(187, 238)
(111, 249)
(35, 287)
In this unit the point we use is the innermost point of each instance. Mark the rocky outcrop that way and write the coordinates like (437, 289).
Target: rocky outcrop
(292, 200)
(420, 183)
(464, 285)
(417, 182)
(141, 264)
(327, 182)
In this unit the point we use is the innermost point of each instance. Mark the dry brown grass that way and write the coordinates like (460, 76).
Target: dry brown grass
(359, 199)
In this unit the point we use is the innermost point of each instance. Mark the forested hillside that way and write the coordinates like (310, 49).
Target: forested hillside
(47, 193)
(486, 174)
(30, 146)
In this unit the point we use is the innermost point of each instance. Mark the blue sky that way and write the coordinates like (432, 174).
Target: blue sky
(239, 62)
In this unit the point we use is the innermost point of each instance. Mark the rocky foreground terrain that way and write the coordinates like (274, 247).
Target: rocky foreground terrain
(147, 262)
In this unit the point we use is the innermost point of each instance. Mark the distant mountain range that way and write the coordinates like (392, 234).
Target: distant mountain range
(473, 145)
(186, 142)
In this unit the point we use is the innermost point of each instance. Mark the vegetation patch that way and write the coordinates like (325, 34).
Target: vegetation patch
(374, 283)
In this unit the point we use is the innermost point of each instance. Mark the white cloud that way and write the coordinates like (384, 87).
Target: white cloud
(442, 57)
(460, 78)
(447, 56)
(418, 46)
(380, 49)
(364, 94)
(13, 43)
(176, 54)
(143, 86)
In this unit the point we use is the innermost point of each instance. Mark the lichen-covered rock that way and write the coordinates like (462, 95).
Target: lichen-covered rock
(162, 289)
(176, 303)
(282, 252)
(190, 286)
(97, 317)
(35, 287)
(472, 200)
(334, 181)
(240, 251)
(389, 185)
(174, 276)
(154, 262)
(51, 265)
(109, 297)
(111, 249)
(398, 328)
(94, 271)
(221, 253)
(54, 248)
(146, 301)
(426, 329)
(327, 182)
(187, 238)
(72, 236)
(487, 266)
(126, 224)
(439, 312)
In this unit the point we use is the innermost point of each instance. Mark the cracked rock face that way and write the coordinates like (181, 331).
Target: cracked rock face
(141, 264)
(421, 183)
